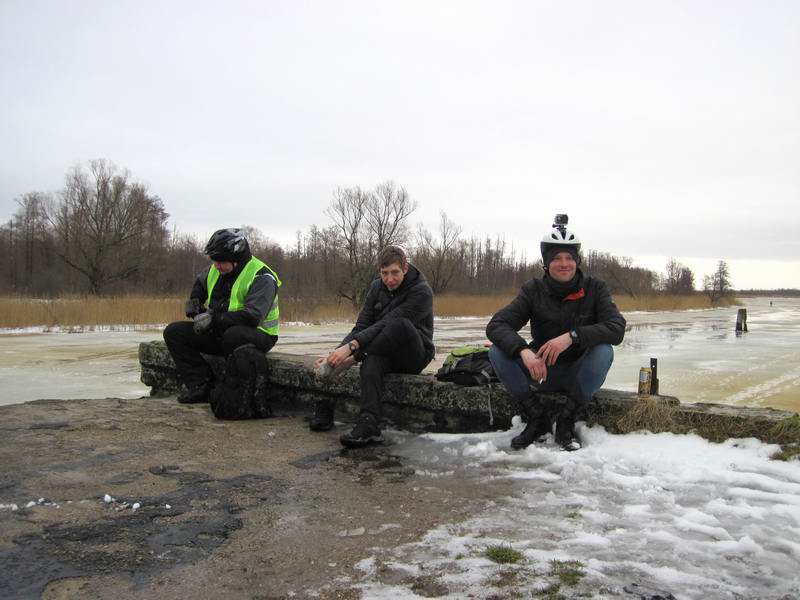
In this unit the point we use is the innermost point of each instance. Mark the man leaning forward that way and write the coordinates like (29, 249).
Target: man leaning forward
(233, 304)
(393, 334)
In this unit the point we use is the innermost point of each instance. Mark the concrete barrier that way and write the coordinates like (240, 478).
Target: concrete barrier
(421, 403)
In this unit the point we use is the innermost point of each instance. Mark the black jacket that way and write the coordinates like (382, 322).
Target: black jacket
(412, 300)
(594, 316)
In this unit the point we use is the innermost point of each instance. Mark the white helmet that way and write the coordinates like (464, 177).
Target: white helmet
(559, 238)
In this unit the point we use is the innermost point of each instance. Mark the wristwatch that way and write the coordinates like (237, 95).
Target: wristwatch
(352, 346)
(574, 337)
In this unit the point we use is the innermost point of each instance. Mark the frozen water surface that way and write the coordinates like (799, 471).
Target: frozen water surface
(700, 357)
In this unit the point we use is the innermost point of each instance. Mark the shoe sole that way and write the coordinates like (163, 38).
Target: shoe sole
(539, 440)
(193, 401)
(360, 443)
(326, 427)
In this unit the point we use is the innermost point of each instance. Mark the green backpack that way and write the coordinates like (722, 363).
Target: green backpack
(467, 365)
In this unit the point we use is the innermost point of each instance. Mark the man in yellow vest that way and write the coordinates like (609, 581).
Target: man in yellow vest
(233, 303)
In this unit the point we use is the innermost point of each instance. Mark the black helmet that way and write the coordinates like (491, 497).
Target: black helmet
(227, 245)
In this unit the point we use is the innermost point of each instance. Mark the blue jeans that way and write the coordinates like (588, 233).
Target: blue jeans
(580, 379)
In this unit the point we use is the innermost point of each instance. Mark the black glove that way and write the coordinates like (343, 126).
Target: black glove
(203, 322)
(191, 307)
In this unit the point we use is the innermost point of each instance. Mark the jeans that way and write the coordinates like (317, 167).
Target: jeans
(186, 347)
(398, 348)
(580, 379)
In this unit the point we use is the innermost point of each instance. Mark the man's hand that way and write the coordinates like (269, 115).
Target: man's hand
(535, 365)
(203, 322)
(339, 355)
(191, 308)
(551, 349)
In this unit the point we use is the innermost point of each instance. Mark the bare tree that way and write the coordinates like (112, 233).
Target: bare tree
(678, 279)
(106, 226)
(348, 213)
(718, 285)
(439, 257)
(387, 210)
(366, 223)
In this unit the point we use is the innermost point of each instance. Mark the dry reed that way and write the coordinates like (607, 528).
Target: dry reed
(470, 305)
(660, 302)
(88, 311)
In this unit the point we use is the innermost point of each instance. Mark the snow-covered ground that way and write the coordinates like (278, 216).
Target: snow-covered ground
(671, 512)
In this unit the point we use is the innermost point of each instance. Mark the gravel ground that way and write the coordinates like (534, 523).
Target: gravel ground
(260, 509)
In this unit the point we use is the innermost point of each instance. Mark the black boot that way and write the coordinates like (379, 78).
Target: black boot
(537, 424)
(365, 433)
(574, 406)
(565, 434)
(323, 416)
(195, 394)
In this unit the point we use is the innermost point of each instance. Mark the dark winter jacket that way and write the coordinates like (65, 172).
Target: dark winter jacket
(591, 313)
(257, 303)
(412, 300)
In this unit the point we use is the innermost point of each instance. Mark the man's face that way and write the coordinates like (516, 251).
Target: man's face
(563, 267)
(223, 266)
(392, 275)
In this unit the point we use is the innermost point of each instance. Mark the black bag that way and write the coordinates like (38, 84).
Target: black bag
(468, 365)
(241, 392)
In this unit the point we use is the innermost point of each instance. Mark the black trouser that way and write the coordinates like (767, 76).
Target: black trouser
(185, 346)
(398, 348)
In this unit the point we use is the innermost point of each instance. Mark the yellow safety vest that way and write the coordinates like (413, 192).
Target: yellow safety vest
(271, 323)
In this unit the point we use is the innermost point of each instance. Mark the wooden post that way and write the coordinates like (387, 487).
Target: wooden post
(741, 321)
(654, 376)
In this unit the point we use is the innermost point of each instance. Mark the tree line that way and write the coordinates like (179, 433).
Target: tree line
(105, 233)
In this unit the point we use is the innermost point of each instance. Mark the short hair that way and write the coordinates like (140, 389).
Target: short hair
(391, 255)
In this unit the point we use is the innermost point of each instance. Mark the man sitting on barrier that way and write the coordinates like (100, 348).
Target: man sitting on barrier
(234, 310)
(393, 334)
(574, 322)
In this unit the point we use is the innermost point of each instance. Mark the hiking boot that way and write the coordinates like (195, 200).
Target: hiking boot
(566, 436)
(195, 394)
(537, 422)
(365, 433)
(323, 416)
(535, 431)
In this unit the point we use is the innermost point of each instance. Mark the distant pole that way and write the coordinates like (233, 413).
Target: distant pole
(741, 321)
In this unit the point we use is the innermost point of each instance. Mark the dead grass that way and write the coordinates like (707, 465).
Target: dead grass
(659, 302)
(316, 311)
(470, 305)
(788, 452)
(139, 310)
(88, 311)
(648, 413)
(98, 311)
(787, 431)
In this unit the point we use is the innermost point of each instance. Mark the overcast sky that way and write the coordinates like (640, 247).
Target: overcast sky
(662, 128)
